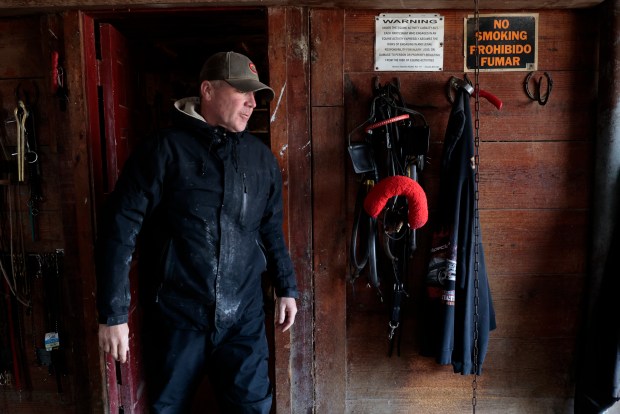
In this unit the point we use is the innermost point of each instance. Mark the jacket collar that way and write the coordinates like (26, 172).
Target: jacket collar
(187, 114)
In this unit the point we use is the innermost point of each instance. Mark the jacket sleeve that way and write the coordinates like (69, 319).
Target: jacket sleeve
(272, 235)
(136, 192)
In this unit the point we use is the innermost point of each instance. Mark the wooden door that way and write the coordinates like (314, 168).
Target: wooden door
(111, 87)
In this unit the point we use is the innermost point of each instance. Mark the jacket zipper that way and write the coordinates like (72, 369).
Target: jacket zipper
(244, 200)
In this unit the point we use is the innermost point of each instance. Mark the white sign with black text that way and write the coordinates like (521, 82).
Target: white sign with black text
(409, 42)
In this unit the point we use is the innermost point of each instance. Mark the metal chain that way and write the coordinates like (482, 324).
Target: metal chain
(474, 384)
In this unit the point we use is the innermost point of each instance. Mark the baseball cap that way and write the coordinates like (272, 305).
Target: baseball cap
(237, 70)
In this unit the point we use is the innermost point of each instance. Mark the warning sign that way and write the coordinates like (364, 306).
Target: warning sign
(505, 42)
(409, 42)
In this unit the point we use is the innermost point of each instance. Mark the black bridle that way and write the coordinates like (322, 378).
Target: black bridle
(395, 143)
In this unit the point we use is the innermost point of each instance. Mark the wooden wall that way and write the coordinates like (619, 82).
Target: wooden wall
(26, 46)
(535, 180)
(535, 172)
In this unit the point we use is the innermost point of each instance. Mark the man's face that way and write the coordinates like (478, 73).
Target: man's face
(225, 106)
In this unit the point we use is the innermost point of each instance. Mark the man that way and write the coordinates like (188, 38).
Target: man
(205, 199)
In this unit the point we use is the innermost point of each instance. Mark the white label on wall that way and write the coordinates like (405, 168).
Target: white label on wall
(409, 42)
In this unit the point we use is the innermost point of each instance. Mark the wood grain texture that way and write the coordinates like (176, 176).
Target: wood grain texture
(535, 189)
(330, 259)
(289, 76)
(14, 6)
(328, 181)
(26, 48)
(326, 53)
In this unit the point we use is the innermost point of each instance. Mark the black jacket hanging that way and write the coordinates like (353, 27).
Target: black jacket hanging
(449, 313)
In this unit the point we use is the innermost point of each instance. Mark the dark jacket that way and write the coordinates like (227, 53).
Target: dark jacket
(451, 274)
(205, 207)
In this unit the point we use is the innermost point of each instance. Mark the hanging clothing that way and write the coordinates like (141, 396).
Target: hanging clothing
(451, 271)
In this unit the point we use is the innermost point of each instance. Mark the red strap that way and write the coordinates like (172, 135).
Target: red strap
(386, 121)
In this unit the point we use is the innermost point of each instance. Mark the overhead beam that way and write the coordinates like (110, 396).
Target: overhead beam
(14, 7)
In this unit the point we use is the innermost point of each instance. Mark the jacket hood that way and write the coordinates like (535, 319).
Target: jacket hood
(187, 113)
(189, 106)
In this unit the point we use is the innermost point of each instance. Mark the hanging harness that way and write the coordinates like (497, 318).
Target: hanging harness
(390, 204)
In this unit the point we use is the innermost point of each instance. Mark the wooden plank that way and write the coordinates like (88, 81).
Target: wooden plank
(13, 6)
(549, 306)
(300, 198)
(449, 401)
(326, 43)
(77, 214)
(541, 242)
(330, 259)
(525, 175)
(290, 140)
(278, 127)
(514, 368)
(532, 175)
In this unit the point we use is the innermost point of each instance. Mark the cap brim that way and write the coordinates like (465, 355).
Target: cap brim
(251, 85)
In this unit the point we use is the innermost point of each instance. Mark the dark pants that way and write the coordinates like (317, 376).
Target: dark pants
(236, 361)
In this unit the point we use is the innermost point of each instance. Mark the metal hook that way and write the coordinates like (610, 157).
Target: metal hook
(542, 99)
(456, 83)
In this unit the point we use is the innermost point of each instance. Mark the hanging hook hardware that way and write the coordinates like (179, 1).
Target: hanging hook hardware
(456, 83)
(542, 99)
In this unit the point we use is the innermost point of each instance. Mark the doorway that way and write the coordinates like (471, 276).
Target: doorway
(137, 64)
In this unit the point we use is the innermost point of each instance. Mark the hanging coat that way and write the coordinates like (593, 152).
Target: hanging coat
(449, 312)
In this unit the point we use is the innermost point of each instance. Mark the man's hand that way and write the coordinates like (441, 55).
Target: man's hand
(115, 340)
(286, 308)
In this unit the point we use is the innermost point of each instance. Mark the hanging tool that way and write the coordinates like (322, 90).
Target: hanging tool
(21, 114)
(28, 96)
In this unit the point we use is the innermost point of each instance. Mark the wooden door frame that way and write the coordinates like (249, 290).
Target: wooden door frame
(77, 201)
